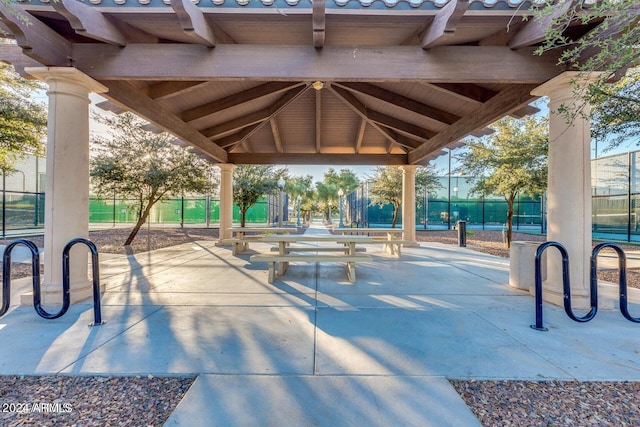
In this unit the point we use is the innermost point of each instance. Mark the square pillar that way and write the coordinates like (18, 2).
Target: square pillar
(226, 201)
(67, 184)
(409, 204)
(569, 187)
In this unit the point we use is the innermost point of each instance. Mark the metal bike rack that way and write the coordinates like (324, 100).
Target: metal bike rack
(35, 275)
(35, 278)
(622, 276)
(97, 313)
(566, 287)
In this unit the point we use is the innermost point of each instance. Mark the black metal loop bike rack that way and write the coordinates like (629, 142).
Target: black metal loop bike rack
(97, 313)
(622, 276)
(35, 268)
(566, 288)
(35, 278)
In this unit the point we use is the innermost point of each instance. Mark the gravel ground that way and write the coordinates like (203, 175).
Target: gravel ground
(135, 401)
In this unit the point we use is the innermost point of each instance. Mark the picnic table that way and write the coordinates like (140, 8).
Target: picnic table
(241, 236)
(391, 238)
(334, 249)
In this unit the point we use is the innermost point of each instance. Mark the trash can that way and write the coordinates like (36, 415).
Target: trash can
(462, 233)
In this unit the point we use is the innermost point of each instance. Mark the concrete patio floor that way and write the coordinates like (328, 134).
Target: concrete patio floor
(314, 349)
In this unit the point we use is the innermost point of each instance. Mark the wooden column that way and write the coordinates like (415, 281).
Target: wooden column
(67, 180)
(569, 188)
(409, 203)
(226, 200)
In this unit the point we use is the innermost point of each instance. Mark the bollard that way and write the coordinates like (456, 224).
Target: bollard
(462, 233)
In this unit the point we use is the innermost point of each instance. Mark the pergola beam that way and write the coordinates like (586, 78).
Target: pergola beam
(443, 64)
(535, 30)
(317, 159)
(169, 89)
(318, 22)
(193, 22)
(131, 98)
(445, 22)
(37, 40)
(401, 101)
(89, 22)
(509, 99)
(219, 105)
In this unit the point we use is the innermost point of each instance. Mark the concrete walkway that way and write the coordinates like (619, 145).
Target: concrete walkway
(314, 349)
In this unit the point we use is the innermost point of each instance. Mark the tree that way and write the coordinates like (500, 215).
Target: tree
(511, 161)
(144, 167)
(612, 48)
(250, 182)
(327, 190)
(386, 186)
(300, 186)
(23, 122)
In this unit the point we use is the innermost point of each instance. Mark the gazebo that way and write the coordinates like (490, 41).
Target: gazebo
(388, 82)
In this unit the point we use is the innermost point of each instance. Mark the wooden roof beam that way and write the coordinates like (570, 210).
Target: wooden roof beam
(277, 139)
(249, 95)
(358, 108)
(318, 120)
(508, 100)
(259, 118)
(535, 30)
(89, 22)
(303, 63)
(111, 106)
(400, 126)
(169, 89)
(444, 23)
(193, 22)
(318, 159)
(360, 135)
(230, 141)
(36, 39)
(319, 22)
(12, 55)
(401, 101)
(131, 98)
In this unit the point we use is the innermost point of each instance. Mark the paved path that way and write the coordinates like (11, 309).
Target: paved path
(314, 349)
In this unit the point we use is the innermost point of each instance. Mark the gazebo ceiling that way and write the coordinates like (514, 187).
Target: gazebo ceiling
(263, 81)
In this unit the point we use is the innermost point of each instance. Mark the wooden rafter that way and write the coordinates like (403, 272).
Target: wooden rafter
(89, 22)
(249, 95)
(37, 41)
(360, 135)
(193, 22)
(509, 99)
(535, 30)
(170, 89)
(236, 138)
(319, 23)
(131, 98)
(318, 120)
(478, 94)
(277, 139)
(401, 101)
(261, 117)
(407, 63)
(12, 54)
(318, 158)
(398, 125)
(444, 23)
(358, 108)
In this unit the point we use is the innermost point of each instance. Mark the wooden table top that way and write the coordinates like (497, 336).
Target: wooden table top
(367, 230)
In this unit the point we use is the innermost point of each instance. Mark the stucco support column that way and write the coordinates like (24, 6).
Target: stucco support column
(226, 201)
(409, 204)
(569, 188)
(67, 183)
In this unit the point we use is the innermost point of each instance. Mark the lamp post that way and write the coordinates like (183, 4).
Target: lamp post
(280, 207)
(340, 194)
(299, 200)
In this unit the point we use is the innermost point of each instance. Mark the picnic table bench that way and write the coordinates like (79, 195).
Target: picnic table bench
(243, 235)
(391, 238)
(287, 253)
